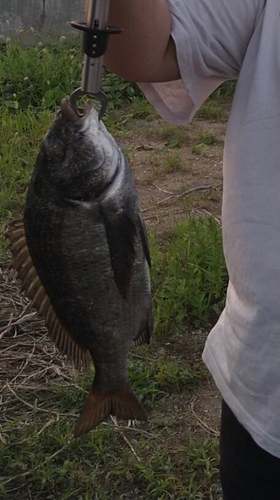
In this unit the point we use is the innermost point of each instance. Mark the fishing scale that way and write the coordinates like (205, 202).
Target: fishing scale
(96, 35)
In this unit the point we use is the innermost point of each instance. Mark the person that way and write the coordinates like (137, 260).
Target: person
(179, 52)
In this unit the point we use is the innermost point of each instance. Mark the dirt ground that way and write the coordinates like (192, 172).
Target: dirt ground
(193, 187)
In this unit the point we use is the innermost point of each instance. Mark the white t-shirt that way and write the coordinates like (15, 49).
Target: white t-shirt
(218, 40)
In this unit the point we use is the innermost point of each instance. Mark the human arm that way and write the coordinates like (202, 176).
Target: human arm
(145, 51)
(211, 39)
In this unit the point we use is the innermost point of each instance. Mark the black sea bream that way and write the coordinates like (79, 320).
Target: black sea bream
(83, 255)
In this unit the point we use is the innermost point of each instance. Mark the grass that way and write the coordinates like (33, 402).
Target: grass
(20, 137)
(38, 76)
(171, 135)
(102, 467)
(40, 459)
(200, 149)
(189, 277)
(140, 109)
(41, 76)
(213, 110)
(159, 460)
(208, 139)
(174, 163)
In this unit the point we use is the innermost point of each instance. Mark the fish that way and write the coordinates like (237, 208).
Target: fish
(82, 254)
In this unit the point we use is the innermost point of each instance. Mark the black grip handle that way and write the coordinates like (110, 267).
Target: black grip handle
(95, 40)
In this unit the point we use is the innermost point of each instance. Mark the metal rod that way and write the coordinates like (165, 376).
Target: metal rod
(98, 13)
(100, 96)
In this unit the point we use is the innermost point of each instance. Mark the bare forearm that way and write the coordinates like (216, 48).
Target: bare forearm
(144, 51)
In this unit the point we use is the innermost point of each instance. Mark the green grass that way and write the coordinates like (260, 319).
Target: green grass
(102, 466)
(171, 135)
(161, 375)
(213, 110)
(208, 138)
(41, 76)
(20, 136)
(174, 163)
(139, 109)
(38, 76)
(189, 276)
(200, 149)
(135, 116)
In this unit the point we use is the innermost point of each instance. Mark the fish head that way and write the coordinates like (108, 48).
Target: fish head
(78, 157)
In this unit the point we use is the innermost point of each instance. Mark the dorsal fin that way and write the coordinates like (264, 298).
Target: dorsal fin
(32, 286)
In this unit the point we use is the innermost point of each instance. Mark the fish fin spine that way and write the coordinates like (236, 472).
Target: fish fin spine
(34, 289)
(145, 333)
(122, 404)
(143, 338)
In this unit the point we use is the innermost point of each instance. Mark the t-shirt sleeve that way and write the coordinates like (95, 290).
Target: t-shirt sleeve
(211, 39)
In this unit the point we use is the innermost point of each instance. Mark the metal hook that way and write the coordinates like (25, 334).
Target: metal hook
(100, 96)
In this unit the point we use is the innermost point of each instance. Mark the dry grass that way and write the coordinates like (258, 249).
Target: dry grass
(29, 360)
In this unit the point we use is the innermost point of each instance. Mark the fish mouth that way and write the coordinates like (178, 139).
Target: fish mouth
(71, 114)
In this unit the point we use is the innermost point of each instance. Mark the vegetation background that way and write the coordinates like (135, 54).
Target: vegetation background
(179, 178)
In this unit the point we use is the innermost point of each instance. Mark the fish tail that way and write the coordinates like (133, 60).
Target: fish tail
(98, 406)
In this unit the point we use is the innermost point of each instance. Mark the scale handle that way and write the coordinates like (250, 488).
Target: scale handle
(98, 13)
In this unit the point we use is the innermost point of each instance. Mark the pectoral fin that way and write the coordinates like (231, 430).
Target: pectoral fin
(144, 238)
(120, 232)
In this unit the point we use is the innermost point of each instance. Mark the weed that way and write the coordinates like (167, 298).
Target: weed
(42, 76)
(40, 459)
(161, 376)
(226, 90)
(52, 465)
(200, 149)
(119, 91)
(189, 276)
(141, 109)
(20, 137)
(174, 163)
(173, 136)
(208, 138)
(211, 110)
(214, 195)
(127, 153)
(216, 107)
(156, 160)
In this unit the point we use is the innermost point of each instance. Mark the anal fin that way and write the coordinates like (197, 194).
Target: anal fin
(142, 338)
(145, 331)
